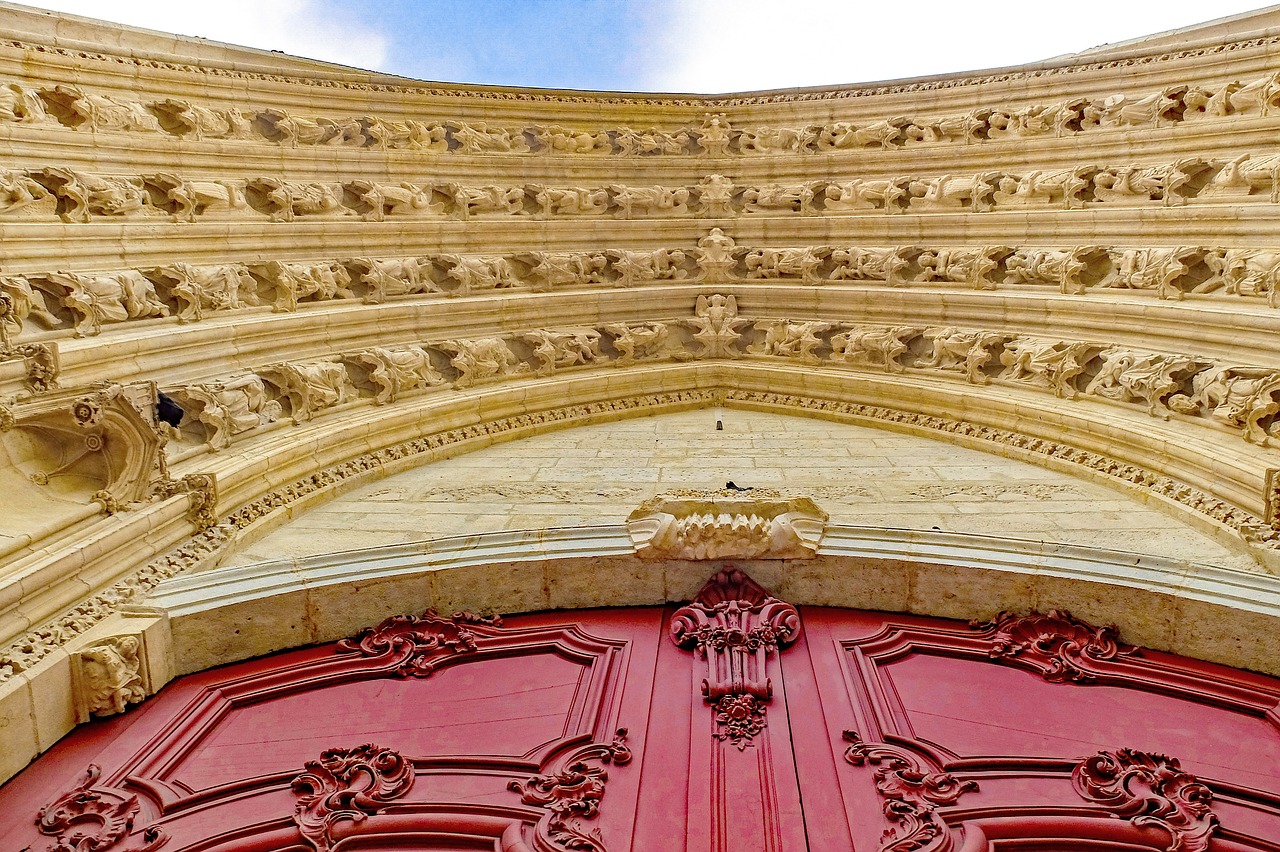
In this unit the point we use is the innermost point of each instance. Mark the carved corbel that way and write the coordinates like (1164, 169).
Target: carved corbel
(109, 676)
(92, 818)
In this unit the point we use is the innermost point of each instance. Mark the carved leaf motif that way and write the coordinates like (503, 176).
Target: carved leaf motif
(1150, 790)
(911, 794)
(1060, 646)
(94, 819)
(740, 718)
(417, 644)
(347, 784)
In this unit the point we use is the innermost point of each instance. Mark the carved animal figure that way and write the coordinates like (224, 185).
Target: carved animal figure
(802, 262)
(859, 194)
(1044, 187)
(1259, 96)
(634, 342)
(565, 269)
(1249, 272)
(952, 192)
(638, 143)
(974, 266)
(786, 339)
(23, 105)
(286, 200)
(403, 199)
(22, 302)
(479, 272)
(884, 134)
(199, 122)
(774, 199)
(717, 326)
(1245, 174)
(214, 287)
(18, 190)
(656, 265)
(871, 345)
(479, 139)
(315, 281)
(1047, 266)
(189, 199)
(572, 201)
(1157, 269)
(470, 200)
(775, 140)
(559, 140)
(1149, 183)
(568, 347)
(102, 112)
(82, 194)
(1240, 397)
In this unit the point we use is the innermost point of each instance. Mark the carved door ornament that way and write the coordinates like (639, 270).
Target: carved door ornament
(735, 626)
(95, 818)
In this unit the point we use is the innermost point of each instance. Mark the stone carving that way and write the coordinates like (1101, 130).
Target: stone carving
(215, 287)
(634, 267)
(19, 301)
(963, 350)
(1128, 376)
(969, 127)
(1158, 269)
(716, 257)
(872, 345)
(726, 525)
(471, 200)
(406, 135)
(551, 269)
(1061, 647)
(654, 200)
(284, 200)
(1257, 96)
(1065, 187)
(1248, 272)
(188, 199)
(572, 201)
(715, 135)
(1240, 397)
(347, 785)
(787, 339)
(22, 105)
(100, 112)
(107, 298)
(1050, 363)
(92, 818)
(1064, 269)
(415, 646)
(573, 795)
(651, 142)
(318, 282)
(40, 359)
(228, 408)
(976, 267)
(567, 347)
(387, 277)
(887, 195)
(198, 122)
(82, 195)
(559, 140)
(480, 359)
(310, 386)
(638, 341)
(777, 140)
(1170, 184)
(803, 263)
(1244, 174)
(110, 676)
(478, 272)
(842, 135)
(912, 793)
(1150, 790)
(403, 199)
(396, 371)
(734, 625)
(296, 130)
(952, 192)
(21, 192)
(872, 264)
(780, 199)
(480, 139)
(715, 196)
(717, 326)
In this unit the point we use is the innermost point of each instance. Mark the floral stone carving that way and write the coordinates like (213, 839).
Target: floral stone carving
(1150, 790)
(911, 794)
(94, 819)
(1058, 645)
(415, 645)
(756, 524)
(347, 785)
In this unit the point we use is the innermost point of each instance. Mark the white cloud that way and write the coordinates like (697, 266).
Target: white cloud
(317, 29)
(739, 45)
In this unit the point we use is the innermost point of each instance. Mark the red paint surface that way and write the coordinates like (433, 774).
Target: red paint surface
(211, 758)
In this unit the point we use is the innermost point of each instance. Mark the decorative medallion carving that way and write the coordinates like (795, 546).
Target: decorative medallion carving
(415, 645)
(574, 794)
(1150, 790)
(758, 524)
(1058, 645)
(735, 626)
(911, 793)
(90, 818)
(347, 785)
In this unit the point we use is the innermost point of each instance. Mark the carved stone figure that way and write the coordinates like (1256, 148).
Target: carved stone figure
(636, 342)
(22, 105)
(559, 140)
(213, 287)
(1199, 102)
(480, 359)
(1245, 174)
(406, 135)
(572, 201)
(715, 135)
(963, 350)
(715, 257)
(1128, 376)
(403, 199)
(872, 264)
(188, 199)
(1258, 96)
(551, 269)
(197, 122)
(872, 345)
(111, 676)
(562, 347)
(101, 112)
(951, 192)
(1059, 119)
(317, 282)
(691, 524)
(228, 408)
(1170, 184)
(969, 127)
(976, 267)
(803, 262)
(787, 339)
(397, 371)
(479, 272)
(656, 265)
(294, 130)
(859, 194)
(1046, 266)
(779, 199)
(310, 386)
(99, 298)
(1153, 110)
(386, 277)
(717, 326)
(1045, 187)
(283, 201)
(652, 142)
(480, 139)
(1051, 363)
(470, 200)
(887, 133)
(1248, 272)
(660, 200)
(1157, 269)
(18, 191)
(21, 302)
(81, 195)
(715, 196)
(777, 140)
(1240, 397)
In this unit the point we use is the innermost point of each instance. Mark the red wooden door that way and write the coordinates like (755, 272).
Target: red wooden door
(736, 723)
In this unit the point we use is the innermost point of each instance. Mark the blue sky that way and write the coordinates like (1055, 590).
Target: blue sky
(705, 46)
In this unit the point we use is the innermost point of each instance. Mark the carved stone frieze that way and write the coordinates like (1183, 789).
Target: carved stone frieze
(347, 785)
(414, 646)
(1150, 790)
(1059, 646)
(95, 818)
(759, 524)
(110, 676)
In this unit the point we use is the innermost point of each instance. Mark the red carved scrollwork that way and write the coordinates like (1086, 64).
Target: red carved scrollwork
(911, 794)
(94, 819)
(735, 625)
(1058, 645)
(415, 645)
(347, 785)
(1150, 790)
(574, 794)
